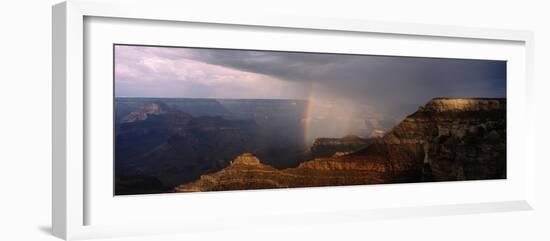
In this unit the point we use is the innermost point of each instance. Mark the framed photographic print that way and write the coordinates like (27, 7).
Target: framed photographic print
(205, 119)
(180, 115)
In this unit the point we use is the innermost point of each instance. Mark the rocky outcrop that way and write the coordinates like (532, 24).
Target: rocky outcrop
(326, 147)
(463, 139)
(144, 112)
(445, 140)
(246, 172)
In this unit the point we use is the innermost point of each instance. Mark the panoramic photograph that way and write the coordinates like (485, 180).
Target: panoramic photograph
(205, 119)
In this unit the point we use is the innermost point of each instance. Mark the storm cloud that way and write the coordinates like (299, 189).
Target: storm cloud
(388, 82)
(391, 85)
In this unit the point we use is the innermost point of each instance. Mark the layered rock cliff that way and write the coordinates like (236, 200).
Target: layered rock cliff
(463, 139)
(246, 172)
(444, 140)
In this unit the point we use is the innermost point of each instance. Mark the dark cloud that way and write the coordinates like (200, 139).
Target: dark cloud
(391, 84)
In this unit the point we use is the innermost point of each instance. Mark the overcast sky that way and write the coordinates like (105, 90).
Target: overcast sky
(387, 84)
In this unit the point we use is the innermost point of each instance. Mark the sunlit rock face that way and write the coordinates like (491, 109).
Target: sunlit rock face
(463, 139)
(464, 105)
(445, 140)
(144, 112)
(246, 172)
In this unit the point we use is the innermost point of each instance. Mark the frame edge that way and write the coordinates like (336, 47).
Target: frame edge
(59, 116)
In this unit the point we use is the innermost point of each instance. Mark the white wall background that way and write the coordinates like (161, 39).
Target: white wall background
(25, 120)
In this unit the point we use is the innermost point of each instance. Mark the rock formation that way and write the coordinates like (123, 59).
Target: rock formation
(463, 139)
(326, 147)
(445, 140)
(144, 112)
(246, 172)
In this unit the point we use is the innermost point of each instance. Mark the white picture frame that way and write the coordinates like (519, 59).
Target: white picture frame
(72, 189)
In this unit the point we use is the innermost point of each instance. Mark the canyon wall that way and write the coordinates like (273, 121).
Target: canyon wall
(448, 139)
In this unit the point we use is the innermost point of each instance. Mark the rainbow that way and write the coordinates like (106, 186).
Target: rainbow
(307, 116)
